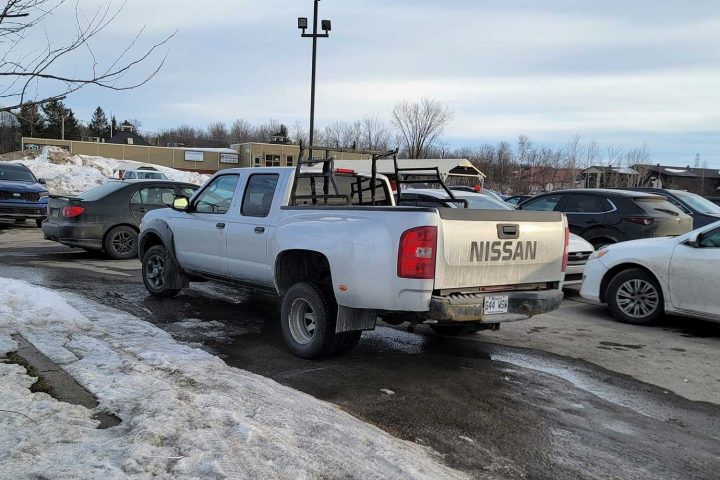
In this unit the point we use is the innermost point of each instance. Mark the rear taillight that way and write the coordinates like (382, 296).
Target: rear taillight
(72, 212)
(566, 251)
(416, 256)
(640, 220)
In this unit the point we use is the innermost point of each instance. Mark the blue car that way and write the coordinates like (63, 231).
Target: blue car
(22, 196)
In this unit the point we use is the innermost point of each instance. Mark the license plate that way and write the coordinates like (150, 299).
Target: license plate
(496, 304)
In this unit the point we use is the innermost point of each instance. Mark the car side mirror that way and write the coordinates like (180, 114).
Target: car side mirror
(181, 203)
(694, 241)
(42, 181)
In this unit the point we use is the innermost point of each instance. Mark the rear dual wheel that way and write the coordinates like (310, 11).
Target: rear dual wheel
(308, 319)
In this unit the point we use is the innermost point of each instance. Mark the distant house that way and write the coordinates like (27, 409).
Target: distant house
(127, 136)
(703, 181)
(537, 179)
(609, 176)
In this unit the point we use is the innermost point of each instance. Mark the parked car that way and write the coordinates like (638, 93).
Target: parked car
(702, 210)
(715, 200)
(108, 217)
(22, 196)
(517, 199)
(642, 280)
(604, 216)
(578, 252)
(144, 174)
(342, 259)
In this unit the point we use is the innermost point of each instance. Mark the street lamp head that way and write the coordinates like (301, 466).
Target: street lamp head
(326, 25)
(302, 23)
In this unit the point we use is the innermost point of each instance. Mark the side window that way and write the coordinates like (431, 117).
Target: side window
(136, 198)
(711, 239)
(157, 196)
(543, 204)
(217, 196)
(585, 204)
(679, 205)
(259, 195)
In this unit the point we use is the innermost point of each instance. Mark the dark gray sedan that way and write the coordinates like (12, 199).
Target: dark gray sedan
(107, 218)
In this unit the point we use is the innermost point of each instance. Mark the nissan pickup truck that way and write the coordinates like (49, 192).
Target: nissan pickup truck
(343, 258)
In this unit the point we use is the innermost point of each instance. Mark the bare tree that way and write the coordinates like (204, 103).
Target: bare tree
(420, 124)
(35, 75)
(240, 131)
(374, 134)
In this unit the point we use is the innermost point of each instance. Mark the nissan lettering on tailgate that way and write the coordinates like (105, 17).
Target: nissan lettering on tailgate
(499, 250)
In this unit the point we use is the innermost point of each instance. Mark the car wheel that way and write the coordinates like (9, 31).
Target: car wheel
(308, 319)
(158, 268)
(634, 296)
(38, 222)
(121, 243)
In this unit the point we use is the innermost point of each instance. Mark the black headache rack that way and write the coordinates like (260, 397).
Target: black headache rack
(325, 179)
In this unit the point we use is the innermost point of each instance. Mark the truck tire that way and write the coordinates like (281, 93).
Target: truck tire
(38, 222)
(634, 296)
(308, 317)
(121, 243)
(157, 267)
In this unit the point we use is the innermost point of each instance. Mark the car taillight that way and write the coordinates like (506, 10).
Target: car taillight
(72, 212)
(566, 251)
(416, 256)
(641, 220)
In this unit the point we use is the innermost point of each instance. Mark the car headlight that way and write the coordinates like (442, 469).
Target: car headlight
(598, 254)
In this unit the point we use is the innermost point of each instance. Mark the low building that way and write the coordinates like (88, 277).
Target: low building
(281, 154)
(703, 181)
(127, 136)
(609, 177)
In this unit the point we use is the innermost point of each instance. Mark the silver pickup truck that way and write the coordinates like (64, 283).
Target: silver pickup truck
(342, 259)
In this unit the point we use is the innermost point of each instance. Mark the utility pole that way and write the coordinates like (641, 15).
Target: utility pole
(326, 26)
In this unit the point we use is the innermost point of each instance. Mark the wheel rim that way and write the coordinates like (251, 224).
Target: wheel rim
(123, 242)
(155, 271)
(637, 298)
(302, 321)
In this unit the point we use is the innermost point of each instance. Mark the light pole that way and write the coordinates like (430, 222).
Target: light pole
(326, 26)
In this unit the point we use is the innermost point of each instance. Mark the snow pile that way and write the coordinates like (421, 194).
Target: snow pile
(185, 413)
(69, 174)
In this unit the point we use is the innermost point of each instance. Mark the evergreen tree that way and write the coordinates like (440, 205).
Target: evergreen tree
(55, 111)
(32, 122)
(99, 126)
(113, 126)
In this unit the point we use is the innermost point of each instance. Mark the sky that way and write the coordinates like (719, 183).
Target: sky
(617, 72)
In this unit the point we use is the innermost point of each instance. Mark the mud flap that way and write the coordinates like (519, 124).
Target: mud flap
(352, 319)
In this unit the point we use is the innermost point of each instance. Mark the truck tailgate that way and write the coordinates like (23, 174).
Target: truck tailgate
(489, 248)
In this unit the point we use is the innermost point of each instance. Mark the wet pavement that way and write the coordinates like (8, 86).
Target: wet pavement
(497, 411)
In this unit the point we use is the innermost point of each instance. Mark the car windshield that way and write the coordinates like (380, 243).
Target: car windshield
(698, 203)
(480, 202)
(99, 192)
(15, 174)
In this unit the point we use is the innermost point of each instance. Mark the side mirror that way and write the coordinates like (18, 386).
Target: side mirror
(694, 241)
(42, 181)
(181, 203)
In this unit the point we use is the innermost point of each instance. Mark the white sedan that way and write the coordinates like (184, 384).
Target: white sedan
(644, 279)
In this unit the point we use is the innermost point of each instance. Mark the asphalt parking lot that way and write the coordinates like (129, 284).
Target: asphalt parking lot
(571, 394)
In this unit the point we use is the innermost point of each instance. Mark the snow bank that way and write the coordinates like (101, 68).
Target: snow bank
(185, 413)
(69, 174)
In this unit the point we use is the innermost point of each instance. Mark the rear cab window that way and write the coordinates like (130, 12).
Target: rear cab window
(259, 194)
(357, 187)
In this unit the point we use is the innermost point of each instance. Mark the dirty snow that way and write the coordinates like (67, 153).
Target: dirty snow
(185, 414)
(69, 174)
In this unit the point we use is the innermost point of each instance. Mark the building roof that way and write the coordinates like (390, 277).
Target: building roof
(611, 169)
(675, 171)
(123, 136)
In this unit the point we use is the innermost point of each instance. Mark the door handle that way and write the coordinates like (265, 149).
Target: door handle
(259, 229)
(220, 225)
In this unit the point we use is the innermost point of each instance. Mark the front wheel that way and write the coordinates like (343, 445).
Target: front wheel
(121, 243)
(308, 318)
(158, 268)
(634, 296)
